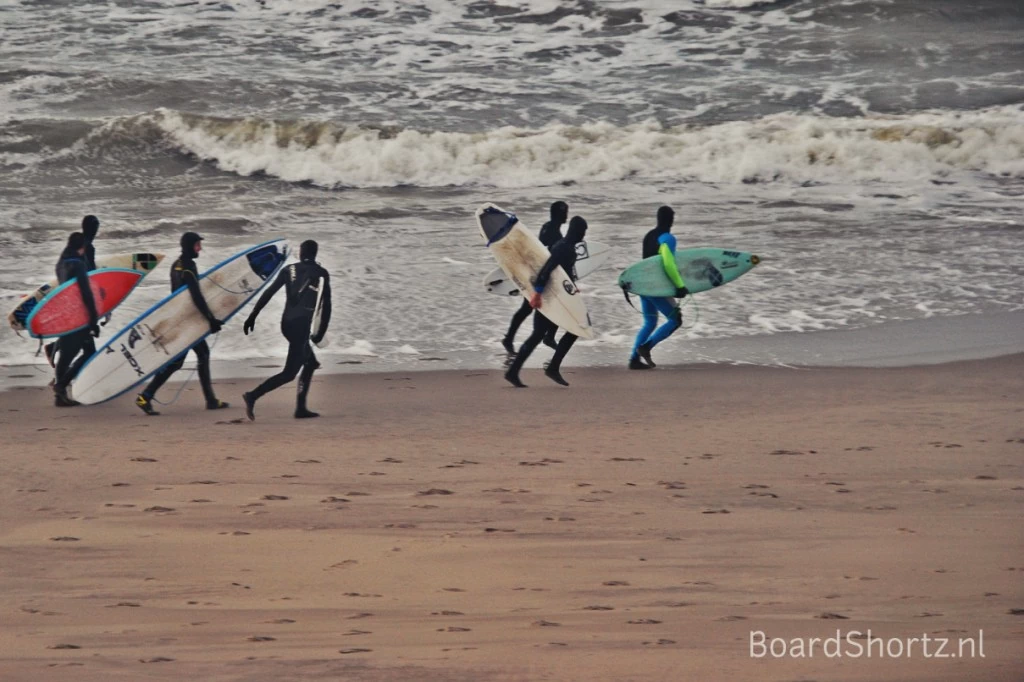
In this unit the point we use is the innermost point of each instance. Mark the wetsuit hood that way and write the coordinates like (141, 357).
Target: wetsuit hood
(666, 216)
(90, 226)
(577, 229)
(308, 250)
(76, 241)
(188, 244)
(559, 212)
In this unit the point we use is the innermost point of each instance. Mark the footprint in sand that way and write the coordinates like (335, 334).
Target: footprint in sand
(260, 638)
(274, 497)
(354, 651)
(156, 659)
(598, 608)
(454, 629)
(832, 616)
(64, 646)
(546, 624)
(435, 491)
(65, 538)
(447, 613)
(644, 621)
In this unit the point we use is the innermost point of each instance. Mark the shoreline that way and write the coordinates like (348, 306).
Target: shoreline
(445, 526)
(894, 344)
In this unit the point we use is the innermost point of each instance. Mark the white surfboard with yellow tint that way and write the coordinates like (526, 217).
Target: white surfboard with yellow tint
(521, 255)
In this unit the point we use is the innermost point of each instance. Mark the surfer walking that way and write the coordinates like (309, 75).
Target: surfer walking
(90, 226)
(659, 242)
(563, 254)
(305, 283)
(550, 234)
(185, 273)
(80, 345)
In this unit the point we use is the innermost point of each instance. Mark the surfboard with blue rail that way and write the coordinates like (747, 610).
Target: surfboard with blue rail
(171, 327)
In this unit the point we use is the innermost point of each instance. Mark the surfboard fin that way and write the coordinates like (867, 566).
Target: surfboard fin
(625, 292)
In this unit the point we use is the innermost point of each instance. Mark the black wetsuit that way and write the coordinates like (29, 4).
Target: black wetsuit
(90, 265)
(549, 235)
(563, 254)
(185, 273)
(301, 282)
(72, 266)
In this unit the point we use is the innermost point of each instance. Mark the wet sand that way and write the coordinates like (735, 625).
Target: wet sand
(444, 526)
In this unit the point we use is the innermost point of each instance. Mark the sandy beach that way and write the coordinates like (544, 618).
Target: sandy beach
(444, 526)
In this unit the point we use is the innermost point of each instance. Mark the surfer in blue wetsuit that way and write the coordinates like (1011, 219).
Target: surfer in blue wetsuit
(184, 273)
(549, 235)
(90, 226)
(302, 283)
(659, 242)
(72, 265)
(563, 253)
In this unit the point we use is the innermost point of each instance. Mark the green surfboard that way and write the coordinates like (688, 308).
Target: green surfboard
(702, 269)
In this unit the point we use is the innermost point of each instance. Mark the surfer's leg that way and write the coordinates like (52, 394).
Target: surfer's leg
(668, 307)
(292, 365)
(202, 351)
(564, 344)
(144, 400)
(305, 379)
(517, 320)
(540, 329)
(650, 313)
(70, 346)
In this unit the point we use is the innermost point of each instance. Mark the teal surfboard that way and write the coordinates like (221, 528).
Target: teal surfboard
(702, 269)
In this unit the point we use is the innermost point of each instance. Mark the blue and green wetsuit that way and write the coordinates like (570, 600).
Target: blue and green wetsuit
(660, 242)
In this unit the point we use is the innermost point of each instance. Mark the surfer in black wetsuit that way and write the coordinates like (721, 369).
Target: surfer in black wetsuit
(72, 265)
(563, 253)
(90, 226)
(185, 273)
(302, 282)
(549, 235)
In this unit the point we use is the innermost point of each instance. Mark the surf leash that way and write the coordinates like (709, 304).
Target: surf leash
(187, 379)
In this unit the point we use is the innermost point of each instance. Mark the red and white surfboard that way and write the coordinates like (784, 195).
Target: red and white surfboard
(63, 311)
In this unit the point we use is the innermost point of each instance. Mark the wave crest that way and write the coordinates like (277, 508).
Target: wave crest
(784, 147)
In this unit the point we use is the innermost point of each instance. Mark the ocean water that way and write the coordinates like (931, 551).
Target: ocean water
(871, 151)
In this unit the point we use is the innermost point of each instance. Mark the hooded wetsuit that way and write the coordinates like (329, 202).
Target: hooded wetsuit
(563, 254)
(90, 226)
(660, 242)
(301, 282)
(73, 266)
(550, 234)
(184, 273)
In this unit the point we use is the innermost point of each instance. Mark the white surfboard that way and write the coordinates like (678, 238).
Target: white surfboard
(521, 256)
(172, 326)
(318, 312)
(142, 262)
(590, 256)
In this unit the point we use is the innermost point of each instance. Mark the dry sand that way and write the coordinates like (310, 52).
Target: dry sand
(444, 526)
